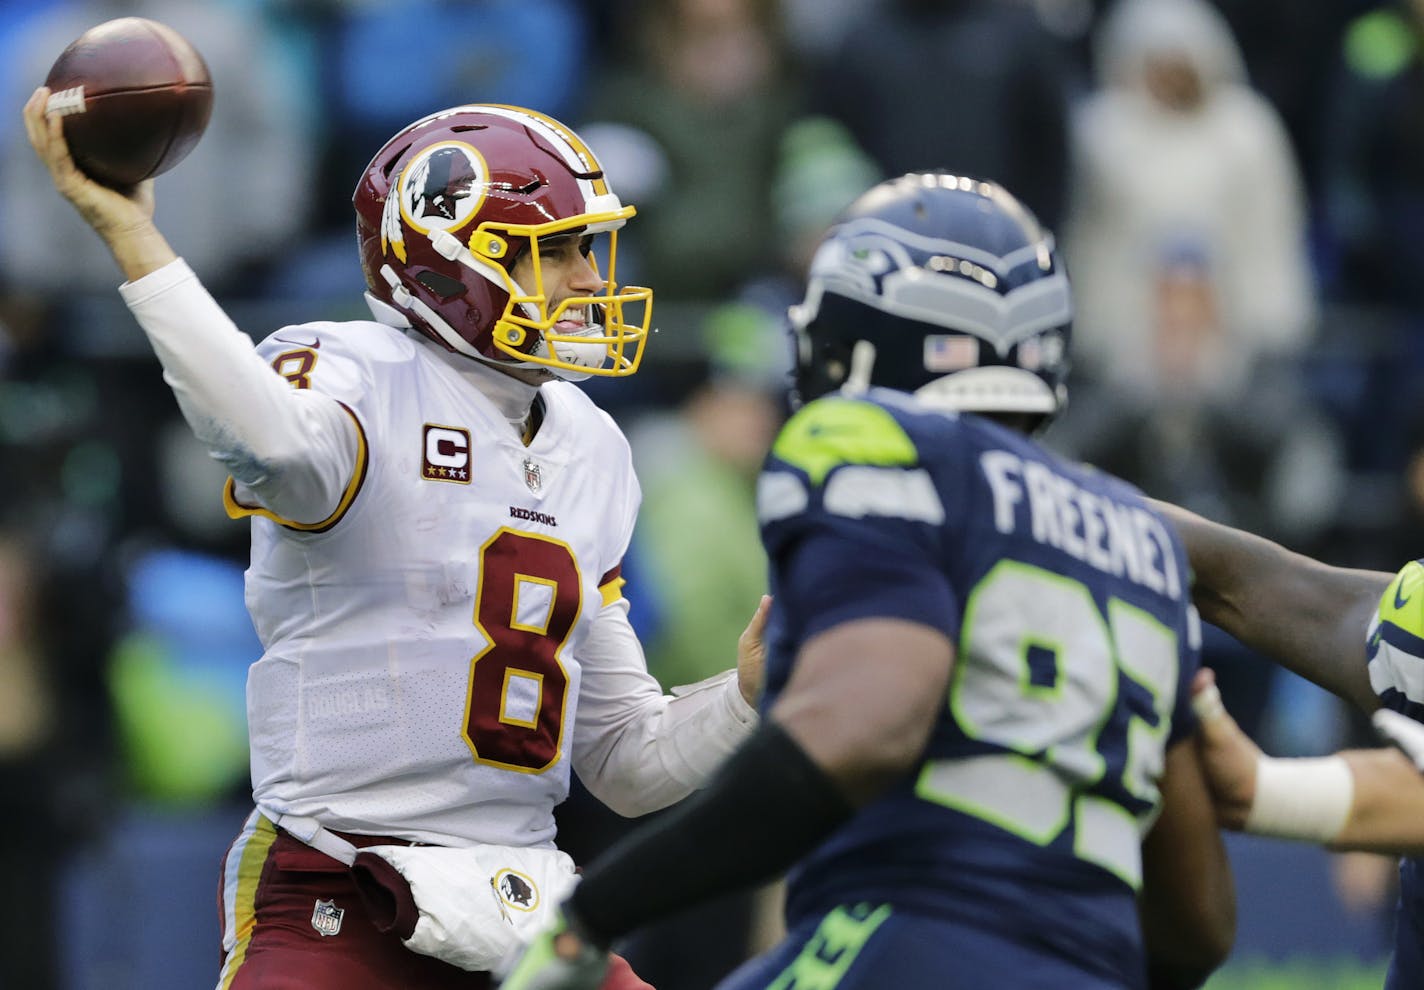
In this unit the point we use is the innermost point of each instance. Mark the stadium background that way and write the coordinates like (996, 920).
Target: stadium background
(1251, 347)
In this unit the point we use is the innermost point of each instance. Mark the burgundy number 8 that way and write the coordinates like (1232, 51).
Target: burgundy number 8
(521, 653)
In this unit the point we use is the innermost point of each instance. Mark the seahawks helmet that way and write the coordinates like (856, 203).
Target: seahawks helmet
(943, 286)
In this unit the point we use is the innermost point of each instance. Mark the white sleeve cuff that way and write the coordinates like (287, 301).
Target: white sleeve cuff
(155, 282)
(735, 707)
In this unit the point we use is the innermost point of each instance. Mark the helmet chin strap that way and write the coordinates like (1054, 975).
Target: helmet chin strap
(396, 317)
(449, 247)
(403, 300)
(385, 313)
(590, 355)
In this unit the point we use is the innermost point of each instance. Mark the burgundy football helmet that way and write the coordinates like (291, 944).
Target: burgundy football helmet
(448, 205)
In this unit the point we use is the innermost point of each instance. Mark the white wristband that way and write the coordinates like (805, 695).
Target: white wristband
(1305, 799)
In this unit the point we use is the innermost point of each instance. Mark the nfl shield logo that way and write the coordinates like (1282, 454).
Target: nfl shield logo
(326, 917)
(532, 476)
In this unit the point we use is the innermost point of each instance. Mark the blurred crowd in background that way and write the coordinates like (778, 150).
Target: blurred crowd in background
(1238, 188)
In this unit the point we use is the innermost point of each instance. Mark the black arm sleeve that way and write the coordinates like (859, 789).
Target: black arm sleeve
(766, 807)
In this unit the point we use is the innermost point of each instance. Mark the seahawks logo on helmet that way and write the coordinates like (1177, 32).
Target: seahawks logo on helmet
(943, 286)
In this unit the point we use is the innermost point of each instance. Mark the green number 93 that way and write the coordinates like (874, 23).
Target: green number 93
(1037, 677)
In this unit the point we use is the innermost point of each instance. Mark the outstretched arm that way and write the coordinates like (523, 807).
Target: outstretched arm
(1308, 616)
(842, 731)
(1370, 800)
(298, 451)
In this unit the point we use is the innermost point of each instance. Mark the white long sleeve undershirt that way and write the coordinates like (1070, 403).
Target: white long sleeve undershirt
(636, 749)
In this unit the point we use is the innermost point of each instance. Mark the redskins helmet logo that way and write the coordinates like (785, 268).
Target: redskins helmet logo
(441, 188)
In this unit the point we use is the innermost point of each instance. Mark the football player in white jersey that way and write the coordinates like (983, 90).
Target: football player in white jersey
(438, 521)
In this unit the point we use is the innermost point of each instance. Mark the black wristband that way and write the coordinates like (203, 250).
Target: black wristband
(763, 810)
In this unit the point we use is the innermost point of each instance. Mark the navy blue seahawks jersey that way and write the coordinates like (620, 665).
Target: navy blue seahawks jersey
(1068, 600)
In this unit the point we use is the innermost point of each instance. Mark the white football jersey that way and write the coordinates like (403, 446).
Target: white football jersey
(422, 644)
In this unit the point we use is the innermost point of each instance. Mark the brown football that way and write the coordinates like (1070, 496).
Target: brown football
(135, 97)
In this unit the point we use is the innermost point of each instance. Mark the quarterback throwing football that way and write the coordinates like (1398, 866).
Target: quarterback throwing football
(438, 523)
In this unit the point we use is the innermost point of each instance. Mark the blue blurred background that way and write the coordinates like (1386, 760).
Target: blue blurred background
(1238, 187)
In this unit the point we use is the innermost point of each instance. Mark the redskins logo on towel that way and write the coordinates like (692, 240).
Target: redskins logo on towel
(516, 890)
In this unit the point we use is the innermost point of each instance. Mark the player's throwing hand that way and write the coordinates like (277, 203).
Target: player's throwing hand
(105, 209)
